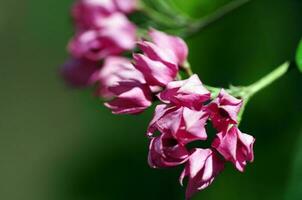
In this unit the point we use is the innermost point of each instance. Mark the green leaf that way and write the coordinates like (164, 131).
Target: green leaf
(299, 56)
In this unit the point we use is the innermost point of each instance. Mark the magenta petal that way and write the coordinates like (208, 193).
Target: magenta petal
(235, 146)
(131, 98)
(114, 70)
(171, 122)
(165, 151)
(79, 72)
(190, 93)
(156, 53)
(174, 44)
(224, 110)
(87, 13)
(120, 30)
(184, 124)
(114, 35)
(126, 6)
(201, 169)
(156, 73)
(159, 112)
(195, 122)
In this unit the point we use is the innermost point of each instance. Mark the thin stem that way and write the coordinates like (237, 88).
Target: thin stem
(188, 70)
(178, 77)
(244, 103)
(174, 13)
(157, 16)
(249, 91)
(221, 12)
(186, 66)
(214, 90)
(173, 5)
(268, 79)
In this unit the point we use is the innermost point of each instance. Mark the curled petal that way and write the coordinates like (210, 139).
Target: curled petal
(175, 45)
(224, 110)
(201, 169)
(194, 123)
(189, 93)
(165, 151)
(115, 35)
(114, 70)
(156, 73)
(87, 13)
(184, 124)
(131, 98)
(79, 72)
(235, 146)
(159, 112)
(126, 6)
(156, 53)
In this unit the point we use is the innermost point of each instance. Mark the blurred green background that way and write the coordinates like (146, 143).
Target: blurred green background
(57, 143)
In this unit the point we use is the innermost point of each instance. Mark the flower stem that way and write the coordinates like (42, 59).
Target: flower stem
(267, 80)
(245, 101)
(204, 22)
(249, 91)
(187, 68)
(157, 16)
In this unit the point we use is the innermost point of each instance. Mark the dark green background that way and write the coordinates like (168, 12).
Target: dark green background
(57, 143)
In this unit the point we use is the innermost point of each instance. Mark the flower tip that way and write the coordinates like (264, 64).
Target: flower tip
(149, 134)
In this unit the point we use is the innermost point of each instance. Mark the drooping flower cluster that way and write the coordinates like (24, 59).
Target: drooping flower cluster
(154, 69)
(102, 31)
(182, 119)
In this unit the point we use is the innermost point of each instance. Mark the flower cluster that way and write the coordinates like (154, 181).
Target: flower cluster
(152, 71)
(103, 33)
(182, 119)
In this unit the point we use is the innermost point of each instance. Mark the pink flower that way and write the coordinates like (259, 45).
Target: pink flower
(201, 169)
(88, 14)
(224, 110)
(189, 93)
(79, 72)
(184, 124)
(114, 70)
(174, 45)
(115, 35)
(165, 151)
(126, 6)
(161, 58)
(235, 146)
(132, 97)
(155, 72)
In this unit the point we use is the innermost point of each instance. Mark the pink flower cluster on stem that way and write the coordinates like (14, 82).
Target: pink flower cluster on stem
(103, 32)
(155, 67)
(182, 119)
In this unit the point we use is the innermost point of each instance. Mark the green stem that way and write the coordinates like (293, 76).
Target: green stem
(173, 5)
(214, 90)
(244, 103)
(247, 92)
(267, 80)
(157, 16)
(186, 66)
(221, 12)
(166, 7)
